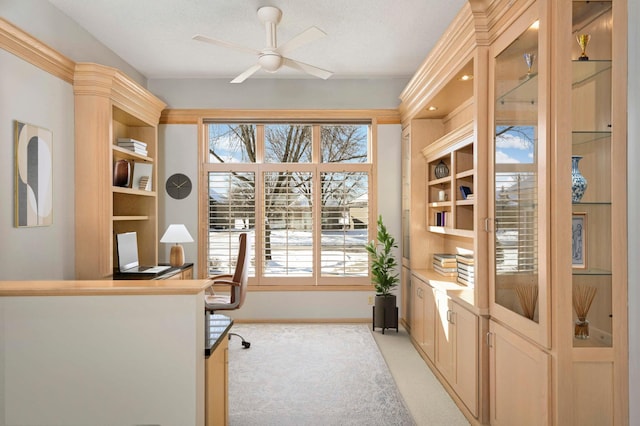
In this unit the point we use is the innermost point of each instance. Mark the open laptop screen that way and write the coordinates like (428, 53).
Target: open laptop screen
(127, 246)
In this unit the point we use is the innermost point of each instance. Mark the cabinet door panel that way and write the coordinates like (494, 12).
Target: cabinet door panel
(417, 311)
(445, 338)
(429, 314)
(466, 362)
(519, 380)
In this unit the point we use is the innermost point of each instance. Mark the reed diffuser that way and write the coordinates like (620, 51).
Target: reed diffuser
(582, 299)
(528, 296)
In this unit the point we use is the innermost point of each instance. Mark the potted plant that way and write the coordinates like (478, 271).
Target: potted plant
(384, 277)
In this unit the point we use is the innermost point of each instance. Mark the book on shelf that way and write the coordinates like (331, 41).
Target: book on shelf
(133, 145)
(466, 274)
(447, 272)
(465, 191)
(441, 218)
(466, 259)
(462, 280)
(445, 258)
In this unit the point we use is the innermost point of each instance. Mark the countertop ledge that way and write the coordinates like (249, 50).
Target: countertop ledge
(461, 293)
(102, 287)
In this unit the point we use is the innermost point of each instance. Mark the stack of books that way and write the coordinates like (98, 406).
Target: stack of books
(445, 264)
(133, 145)
(441, 218)
(465, 265)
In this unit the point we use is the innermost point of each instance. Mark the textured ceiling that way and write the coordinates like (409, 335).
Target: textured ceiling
(365, 38)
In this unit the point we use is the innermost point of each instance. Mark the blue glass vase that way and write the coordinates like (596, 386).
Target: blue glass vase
(578, 182)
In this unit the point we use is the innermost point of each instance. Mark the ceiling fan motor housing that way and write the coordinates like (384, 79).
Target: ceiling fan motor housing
(270, 61)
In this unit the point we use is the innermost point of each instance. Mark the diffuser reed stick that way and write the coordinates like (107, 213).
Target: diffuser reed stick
(582, 299)
(528, 296)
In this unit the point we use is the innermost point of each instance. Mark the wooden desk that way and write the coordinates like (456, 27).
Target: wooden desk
(217, 367)
(184, 272)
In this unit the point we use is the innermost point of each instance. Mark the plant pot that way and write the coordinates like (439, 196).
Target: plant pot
(385, 313)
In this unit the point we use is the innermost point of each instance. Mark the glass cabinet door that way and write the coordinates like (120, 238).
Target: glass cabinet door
(518, 278)
(591, 173)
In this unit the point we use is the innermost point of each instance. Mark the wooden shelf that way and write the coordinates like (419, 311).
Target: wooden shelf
(126, 154)
(452, 231)
(131, 191)
(126, 218)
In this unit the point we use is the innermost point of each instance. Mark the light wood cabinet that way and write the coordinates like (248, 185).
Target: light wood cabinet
(108, 106)
(424, 318)
(457, 349)
(448, 335)
(519, 380)
(216, 385)
(510, 136)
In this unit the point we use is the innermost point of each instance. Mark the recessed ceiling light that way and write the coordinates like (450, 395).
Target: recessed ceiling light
(535, 25)
(432, 108)
(466, 77)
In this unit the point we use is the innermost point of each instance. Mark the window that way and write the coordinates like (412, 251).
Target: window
(516, 200)
(301, 190)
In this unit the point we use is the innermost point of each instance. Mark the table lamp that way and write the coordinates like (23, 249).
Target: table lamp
(176, 233)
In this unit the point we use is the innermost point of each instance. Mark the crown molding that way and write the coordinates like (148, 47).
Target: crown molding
(32, 50)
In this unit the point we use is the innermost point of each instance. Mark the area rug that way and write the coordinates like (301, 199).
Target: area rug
(311, 374)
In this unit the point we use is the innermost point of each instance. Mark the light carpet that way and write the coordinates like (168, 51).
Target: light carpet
(311, 374)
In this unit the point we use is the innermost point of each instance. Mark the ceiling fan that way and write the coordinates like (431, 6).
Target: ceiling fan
(272, 57)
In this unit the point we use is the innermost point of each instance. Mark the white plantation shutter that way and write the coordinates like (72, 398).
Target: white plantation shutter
(345, 221)
(288, 226)
(516, 222)
(231, 211)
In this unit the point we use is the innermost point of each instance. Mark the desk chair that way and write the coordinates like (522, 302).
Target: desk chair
(237, 286)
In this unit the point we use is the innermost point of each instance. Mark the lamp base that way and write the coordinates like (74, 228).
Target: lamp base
(176, 257)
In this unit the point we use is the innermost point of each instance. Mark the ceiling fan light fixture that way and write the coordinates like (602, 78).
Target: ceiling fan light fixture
(270, 61)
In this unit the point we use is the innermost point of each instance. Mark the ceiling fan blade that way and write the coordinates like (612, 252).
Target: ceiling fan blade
(307, 36)
(309, 69)
(225, 44)
(248, 73)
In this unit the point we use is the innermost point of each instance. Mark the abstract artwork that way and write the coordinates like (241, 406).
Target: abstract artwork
(33, 176)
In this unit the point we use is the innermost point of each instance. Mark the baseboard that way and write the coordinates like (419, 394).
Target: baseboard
(303, 321)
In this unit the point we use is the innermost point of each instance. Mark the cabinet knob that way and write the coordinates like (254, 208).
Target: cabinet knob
(489, 339)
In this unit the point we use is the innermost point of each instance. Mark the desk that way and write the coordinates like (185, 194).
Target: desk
(184, 272)
(216, 369)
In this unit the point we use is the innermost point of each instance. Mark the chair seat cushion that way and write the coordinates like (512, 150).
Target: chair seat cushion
(218, 298)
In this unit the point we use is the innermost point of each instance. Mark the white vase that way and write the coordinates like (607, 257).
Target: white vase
(578, 182)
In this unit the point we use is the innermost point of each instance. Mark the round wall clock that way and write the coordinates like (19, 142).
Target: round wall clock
(178, 186)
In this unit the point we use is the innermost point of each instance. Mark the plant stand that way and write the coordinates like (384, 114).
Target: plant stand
(387, 313)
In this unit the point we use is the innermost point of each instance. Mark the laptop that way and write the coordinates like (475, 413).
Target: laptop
(127, 247)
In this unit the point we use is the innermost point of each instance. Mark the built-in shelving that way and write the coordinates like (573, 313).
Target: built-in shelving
(448, 212)
(109, 106)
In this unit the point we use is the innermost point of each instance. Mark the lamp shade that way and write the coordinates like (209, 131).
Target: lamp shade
(176, 233)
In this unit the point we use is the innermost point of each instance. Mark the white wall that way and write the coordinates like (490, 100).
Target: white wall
(48, 24)
(634, 211)
(30, 95)
(178, 153)
(260, 93)
(102, 360)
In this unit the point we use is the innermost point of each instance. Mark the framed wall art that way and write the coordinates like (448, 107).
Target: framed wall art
(579, 240)
(33, 176)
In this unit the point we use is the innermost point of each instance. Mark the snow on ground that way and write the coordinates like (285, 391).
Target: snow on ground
(343, 252)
